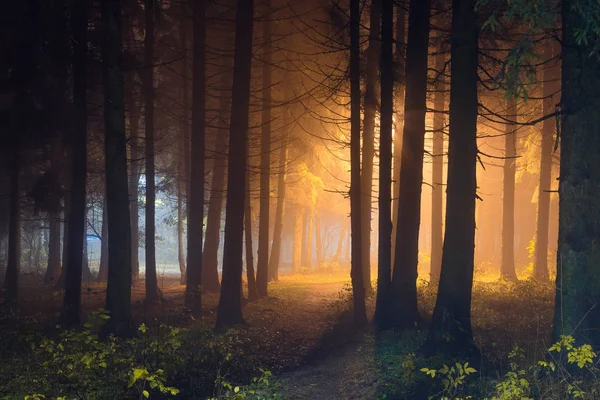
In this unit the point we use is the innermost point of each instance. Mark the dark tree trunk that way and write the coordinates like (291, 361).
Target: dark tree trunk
(60, 283)
(452, 313)
(403, 292)
(252, 289)
(400, 61)
(77, 237)
(152, 293)
(103, 268)
(230, 306)
(278, 230)
(338, 251)
(13, 264)
(576, 309)
(181, 150)
(193, 295)
(507, 267)
(118, 289)
(180, 189)
(385, 166)
(356, 272)
(134, 181)
(551, 86)
(368, 152)
(54, 266)
(210, 272)
(262, 266)
(437, 174)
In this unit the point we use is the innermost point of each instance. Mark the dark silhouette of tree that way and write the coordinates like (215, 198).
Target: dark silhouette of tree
(262, 266)
(152, 293)
(578, 277)
(182, 172)
(230, 308)
(53, 270)
(385, 166)
(507, 267)
(356, 269)
(368, 150)
(103, 265)
(193, 295)
(452, 313)
(403, 294)
(118, 288)
(551, 85)
(250, 277)
(134, 181)
(13, 263)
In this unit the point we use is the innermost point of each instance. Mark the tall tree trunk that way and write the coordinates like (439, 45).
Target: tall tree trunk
(576, 309)
(182, 171)
(118, 288)
(507, 267)
(338, 251)
(180, 188)
(452, 313)
(13, 263)
(403, 291)
(252, 289)
(385, 167)
(551, 86)
(193, 299)
(103, 268)
(133, 190)
(78, 170)
(210, 272)
(278, 230)
(262, 266)
(54, 265)
(437, 174)
(368, 151)
(60, 283)
(400, 61)
(152, 294)
(230, 306)
(297, 244)
(356, 271)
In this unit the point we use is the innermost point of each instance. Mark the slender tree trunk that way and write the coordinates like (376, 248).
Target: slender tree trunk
(252, 289)
(356, 272)
(551, 86)
(403, 291)
(118, 289)
(193, 299)
(60, 283)
(576, 311)
(397, 139)
(133, 190)
(507, 267)
(103, 268)
(437, 175)
(262, 267)
(385, 167)
(152, 294)
(13, 264)
(181, 150)
(230, 308)
(452, 313)
(78, 145)
(54, 266)
(210, 272)
(278, 230)
(368, 151)
(338, 251)
(180, 188)
(297, 245)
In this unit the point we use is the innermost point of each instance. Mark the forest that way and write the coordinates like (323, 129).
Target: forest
(300, 199)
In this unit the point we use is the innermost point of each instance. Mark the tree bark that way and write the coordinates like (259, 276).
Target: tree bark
(103, 268)
(262, 266)
(252, 289)
(182, 177)
(368, 151)
(133, 189)
(53, 270)
(576, 311)
(551, 86)
(385, 166)
(437, 174)
(452, 313)
(118, 288)
(13, 263)
(193, 295)
(403, 291)
(78, 144)
(400, 78)
(356, 271)
(507, 267)
(230, 308)
(278, 230)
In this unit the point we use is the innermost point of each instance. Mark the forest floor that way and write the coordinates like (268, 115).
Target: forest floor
(303, 333)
